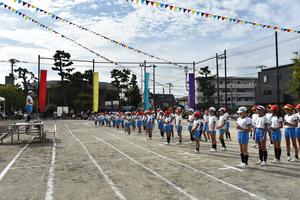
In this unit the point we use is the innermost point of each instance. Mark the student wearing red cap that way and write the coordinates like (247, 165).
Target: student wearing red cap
(243, 126)
(276, 125)
(298, 125)
(261, 124)
(160, 122)
(197, 130)
(150, 122)
(290, 124)
(139, 122)
(178, 124)
(167, 126)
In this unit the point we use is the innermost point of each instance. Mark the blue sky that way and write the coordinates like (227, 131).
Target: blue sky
(170, 35)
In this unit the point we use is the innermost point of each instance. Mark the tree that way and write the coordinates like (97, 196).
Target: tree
(62, 66)
(14, 97)
(207, 85)
(27, 78)
(121, 79)
(133, 93)
(83, 102)
(294, 83)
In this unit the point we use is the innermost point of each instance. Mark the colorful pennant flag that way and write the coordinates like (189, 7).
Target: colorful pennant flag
(55, 17)
(209, 15)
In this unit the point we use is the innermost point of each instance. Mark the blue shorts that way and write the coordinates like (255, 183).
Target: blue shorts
(197, 134)
(290, 133)
(190, 128)
(179, 130)
(172, 127)
(127, 124)
(276, 135)
(139, 123)
(298, 132)
(150, 126)
(160, 125)
(29, 108)
(205, 127)
(259, 135)
(227, 125)
(212, 132)
(221, 131)
(133, 123)
(243, 137)
(167, 128)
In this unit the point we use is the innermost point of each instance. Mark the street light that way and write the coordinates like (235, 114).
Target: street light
(186, 70)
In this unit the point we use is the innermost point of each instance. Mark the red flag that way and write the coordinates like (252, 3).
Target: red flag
(43, 88)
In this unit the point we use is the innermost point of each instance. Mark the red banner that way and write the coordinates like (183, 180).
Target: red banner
(43, 88)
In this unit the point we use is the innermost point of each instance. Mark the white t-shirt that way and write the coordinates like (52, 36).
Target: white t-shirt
(197, 123)
(168, 119)
(150, 119)
(191, 120)
(254, 117)
(298, 118)
(276, 122)
(269, 118)
(261, 122)
(222, 120)
(244, 122)
(29, 100)
(178, 121)
(173, 119)
(211, 121)
(205, 118)
(292, 119)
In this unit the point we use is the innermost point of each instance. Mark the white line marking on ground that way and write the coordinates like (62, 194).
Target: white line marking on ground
(161, 145)
(194, 169)
(106, 177)
(6, 169)
(147, 168)
(230, 167)
(49, 192)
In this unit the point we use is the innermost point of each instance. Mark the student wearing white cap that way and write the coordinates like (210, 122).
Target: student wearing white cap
(205, 125)
(221, 126)
(243, 127)
(212, 128)
(190, 124)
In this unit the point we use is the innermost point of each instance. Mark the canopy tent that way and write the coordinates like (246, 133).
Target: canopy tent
(3, 100)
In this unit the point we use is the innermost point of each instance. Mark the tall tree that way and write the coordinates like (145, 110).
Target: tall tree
(207, 85)
(294, 83)
(62, 65)
(133, 93)
(14, 97)
(26, 77)
(121, 79)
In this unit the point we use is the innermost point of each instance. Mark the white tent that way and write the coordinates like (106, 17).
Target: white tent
(3, 100)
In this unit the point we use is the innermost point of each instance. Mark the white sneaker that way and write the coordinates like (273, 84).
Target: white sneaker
(271, 146)
(254, 146)
(223, 149)
(167, 143)
(240, 164)
(212, 150)
(263, 163)
(191, 142)
(275, 161)
(179, 143)
(243, 166)
(195, 151)
(258, 162)
(161, 137)
(291, 159)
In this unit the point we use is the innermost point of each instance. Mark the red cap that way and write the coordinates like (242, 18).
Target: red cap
(298, 106)
(167, 112)
(288, 106)
(274, 107)
(197, 114)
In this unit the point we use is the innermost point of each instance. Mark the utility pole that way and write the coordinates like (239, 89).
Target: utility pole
(12, 64)
(170, 87)
(277, 68)
(186, 70)
(93, 65)
(225, 66)
(218, 86)
(153, 86)
(163, 90)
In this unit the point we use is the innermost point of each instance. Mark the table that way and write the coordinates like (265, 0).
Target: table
(35, 127)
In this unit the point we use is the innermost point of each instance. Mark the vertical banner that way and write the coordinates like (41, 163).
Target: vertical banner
(192, 90)
(43, 88)
(146, 95)
(95, 91)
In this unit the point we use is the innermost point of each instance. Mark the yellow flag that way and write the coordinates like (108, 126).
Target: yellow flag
(95, 91)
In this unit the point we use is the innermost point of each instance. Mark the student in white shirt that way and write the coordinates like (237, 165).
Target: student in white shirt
(205, 126)
(290, 124)
(221, 126)
(243, 127)
(212, 128)
(261, 124)
(178, 124)
(298, 125)
(167, 126)
(190, 124)
(197, 130)
(269, 117)
(172, 123)
(160, 122)
(253, 116)
(276, 125)
(139, 122)
(150, 122)
(227, 132)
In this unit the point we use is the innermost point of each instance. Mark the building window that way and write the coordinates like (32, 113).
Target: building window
(265, 78)
(241, 90)
(267, 92)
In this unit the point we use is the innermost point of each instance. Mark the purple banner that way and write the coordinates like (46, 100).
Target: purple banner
(192, 91)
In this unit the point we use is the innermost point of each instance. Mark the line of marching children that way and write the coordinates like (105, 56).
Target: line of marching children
(258, 124)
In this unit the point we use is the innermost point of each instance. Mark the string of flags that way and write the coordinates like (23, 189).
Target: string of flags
(24, 16)
(55, 17)
(174, 8)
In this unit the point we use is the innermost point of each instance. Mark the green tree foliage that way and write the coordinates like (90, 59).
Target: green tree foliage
(14, 96)
(294, 83)
(207, 85)
(83, 102)
(26, 77)
(133, 92)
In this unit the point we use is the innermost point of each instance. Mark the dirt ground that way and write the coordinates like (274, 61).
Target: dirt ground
(88, 162)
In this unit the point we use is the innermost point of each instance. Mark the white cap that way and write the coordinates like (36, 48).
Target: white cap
(260, 108)
(30, 91)
(212, 109)
(242, 109)
(191, 110)
(222, 109)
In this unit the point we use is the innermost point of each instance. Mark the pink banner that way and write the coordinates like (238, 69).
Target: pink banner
(43, 88)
